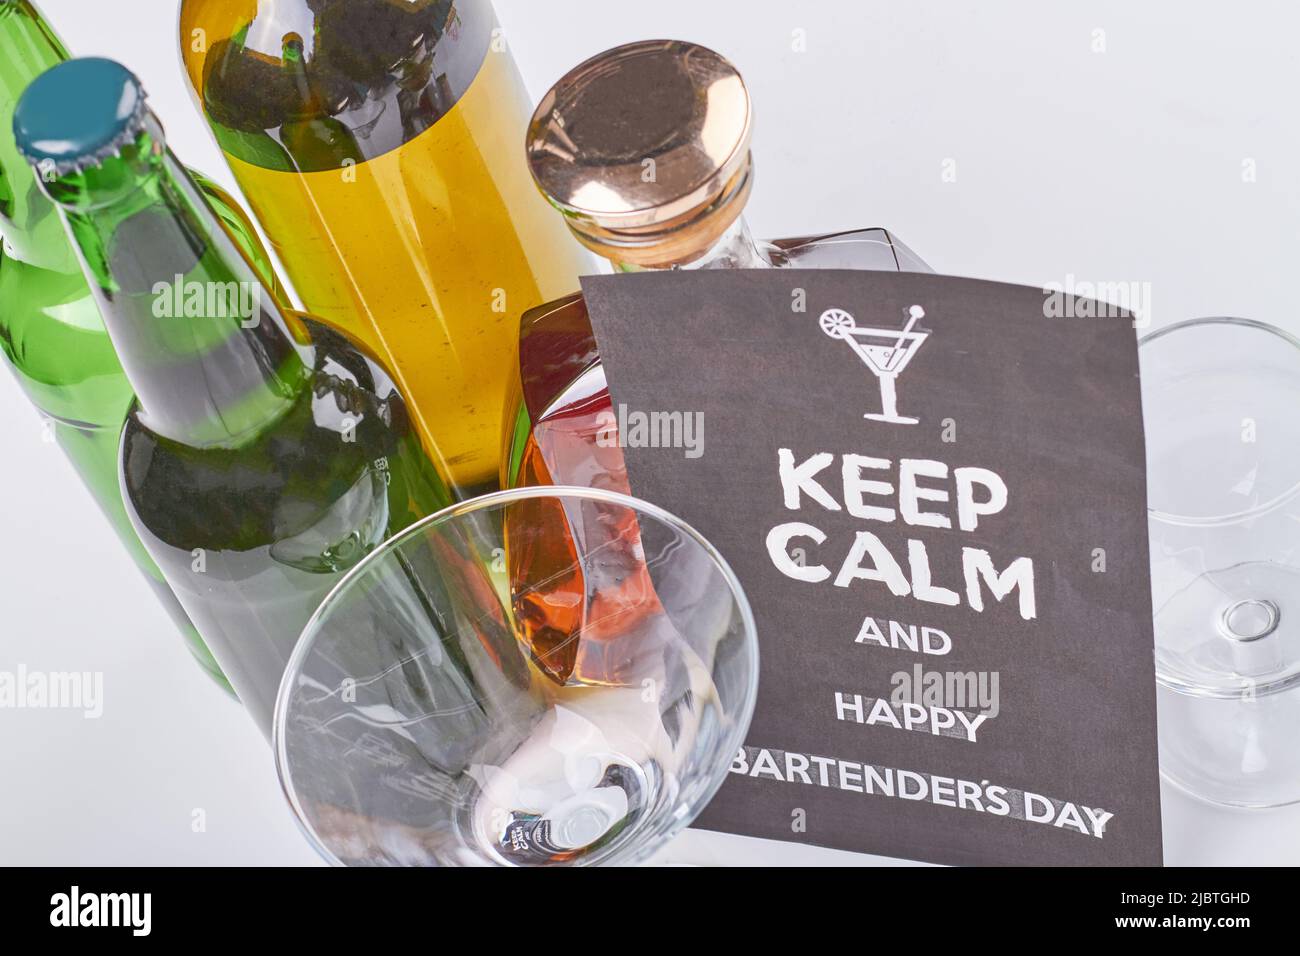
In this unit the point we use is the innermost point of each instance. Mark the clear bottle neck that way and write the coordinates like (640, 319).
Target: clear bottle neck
(209, 353)
(734, 249)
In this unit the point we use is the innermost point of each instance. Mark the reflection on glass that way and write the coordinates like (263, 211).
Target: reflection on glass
(414, 725)
(1223, 472)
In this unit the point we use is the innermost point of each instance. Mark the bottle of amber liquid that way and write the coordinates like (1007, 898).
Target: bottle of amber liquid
(377, 143)
(644, 149)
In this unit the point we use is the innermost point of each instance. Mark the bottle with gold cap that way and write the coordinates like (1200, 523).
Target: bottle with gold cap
(644, 149)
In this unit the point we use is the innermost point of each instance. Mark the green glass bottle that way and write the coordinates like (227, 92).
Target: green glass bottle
(266, 454)
(51, 333)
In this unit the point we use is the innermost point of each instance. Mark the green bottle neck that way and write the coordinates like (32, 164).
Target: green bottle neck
(28, 47)
(206, 348)
(29, 224)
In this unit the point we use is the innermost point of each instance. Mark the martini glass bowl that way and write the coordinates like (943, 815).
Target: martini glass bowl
(426, 718)
(1220, 401)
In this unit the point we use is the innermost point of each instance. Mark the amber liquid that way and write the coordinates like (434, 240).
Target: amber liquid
(426, 253)
(594, 581)
(590, 585)
(582, 590)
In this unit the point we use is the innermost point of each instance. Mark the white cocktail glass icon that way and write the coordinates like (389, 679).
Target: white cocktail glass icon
(885, 351)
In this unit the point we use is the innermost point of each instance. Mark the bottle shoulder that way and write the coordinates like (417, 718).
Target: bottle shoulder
(302, 86)
(345, 393)
(556, 346)
(560, 364)
(346, 429)
(875, 249)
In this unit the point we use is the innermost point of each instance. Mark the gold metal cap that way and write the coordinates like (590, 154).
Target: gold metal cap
(645, 149)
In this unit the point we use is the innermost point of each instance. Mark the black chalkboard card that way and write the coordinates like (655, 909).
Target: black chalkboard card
(933, 491)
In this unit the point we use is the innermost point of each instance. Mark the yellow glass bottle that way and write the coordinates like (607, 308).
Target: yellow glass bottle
(377, 142)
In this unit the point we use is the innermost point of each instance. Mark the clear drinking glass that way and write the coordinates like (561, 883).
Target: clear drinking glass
(1220, 398)
(417, 726)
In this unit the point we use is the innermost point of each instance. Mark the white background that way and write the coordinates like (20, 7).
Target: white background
(1115, 166)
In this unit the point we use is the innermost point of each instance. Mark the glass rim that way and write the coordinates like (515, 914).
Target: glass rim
(1172, 518)
(458, 510)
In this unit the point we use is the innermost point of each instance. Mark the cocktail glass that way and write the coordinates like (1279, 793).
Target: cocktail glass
(885, 351)
(416, 725)
(1219, 399)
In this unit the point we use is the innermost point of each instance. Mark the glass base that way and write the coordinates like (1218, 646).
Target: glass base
(1233, 632)
(1238, 753)
(579, 788)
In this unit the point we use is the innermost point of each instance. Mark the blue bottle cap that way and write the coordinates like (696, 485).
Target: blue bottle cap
(78, 113)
